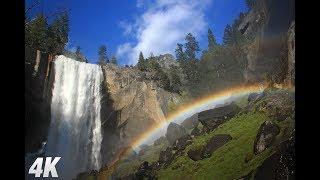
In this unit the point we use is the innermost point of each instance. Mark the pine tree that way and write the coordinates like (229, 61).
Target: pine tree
(114, 60)
(179, 52)
(192, 47)
(36, 33)
(58, 31)
(141, 62)
(211, 40)
(228, 35)
(103, 58)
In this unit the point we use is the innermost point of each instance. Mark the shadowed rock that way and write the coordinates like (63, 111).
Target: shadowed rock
(280, 165)
(266, 136)
(174, 132)
(215, 143)
(195, 154)
(212, 118)
(191, 122)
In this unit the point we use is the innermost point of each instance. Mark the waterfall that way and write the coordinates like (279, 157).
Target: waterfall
(75, 129)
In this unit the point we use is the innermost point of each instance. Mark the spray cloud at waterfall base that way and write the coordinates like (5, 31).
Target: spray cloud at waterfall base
(75, 130)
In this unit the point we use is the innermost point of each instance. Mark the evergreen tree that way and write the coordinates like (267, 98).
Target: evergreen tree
(58, 31)
(179, 52)
(103, 58)
(211, 40)
(36, 33)
(114, 60)
(141, 62)
(175, 79)
(228, 35)
(192, 47)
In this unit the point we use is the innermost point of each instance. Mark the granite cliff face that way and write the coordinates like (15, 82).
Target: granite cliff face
(269, 26)
(132, 103)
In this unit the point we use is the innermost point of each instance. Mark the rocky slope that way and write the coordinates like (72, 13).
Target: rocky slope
(257, 142)
(133, 102)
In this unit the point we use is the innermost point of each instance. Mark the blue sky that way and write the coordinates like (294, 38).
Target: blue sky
(129, 26)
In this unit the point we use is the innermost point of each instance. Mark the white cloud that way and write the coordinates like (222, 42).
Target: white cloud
(162, 26)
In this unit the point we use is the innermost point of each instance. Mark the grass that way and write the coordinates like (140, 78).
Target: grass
(151, 155)
(227, 162)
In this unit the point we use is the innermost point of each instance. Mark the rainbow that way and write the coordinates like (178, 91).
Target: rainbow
(195, 106)
(198, 105)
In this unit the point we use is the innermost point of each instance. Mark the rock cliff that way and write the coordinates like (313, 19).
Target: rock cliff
(132, 104)
(268, 27)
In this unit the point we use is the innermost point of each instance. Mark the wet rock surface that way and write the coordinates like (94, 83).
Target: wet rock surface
(280, 165)
(266, 136)
(212, 118)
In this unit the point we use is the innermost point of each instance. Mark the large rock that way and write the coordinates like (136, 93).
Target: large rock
(280, 165)
(195, 154)
(212, 118)
(214, 143)
(191, 122)
(266, 136)
(174, 132)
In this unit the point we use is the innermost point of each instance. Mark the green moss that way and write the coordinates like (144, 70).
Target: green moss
(227, 162)
(151, 155)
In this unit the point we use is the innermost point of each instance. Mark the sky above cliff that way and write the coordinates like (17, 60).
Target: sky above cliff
(128, 27)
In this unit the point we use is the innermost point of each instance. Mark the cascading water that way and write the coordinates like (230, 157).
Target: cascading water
(75, 130)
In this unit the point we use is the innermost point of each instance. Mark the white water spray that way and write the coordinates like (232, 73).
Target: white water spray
(75, 130)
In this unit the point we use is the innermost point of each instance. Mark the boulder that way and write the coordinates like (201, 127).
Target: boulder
(195, 154)
(191, 122)
(174, 132)
(212, 118)
(214, 143)
(280, 165)
(266, 136)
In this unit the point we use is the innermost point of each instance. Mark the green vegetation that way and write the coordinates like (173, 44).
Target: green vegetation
(151, 155)
(227, 162)
(47, 37)
(103, 58)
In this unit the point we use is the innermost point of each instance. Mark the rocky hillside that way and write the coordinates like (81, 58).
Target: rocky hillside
(256, 142)
(133, 102)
